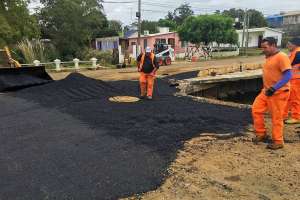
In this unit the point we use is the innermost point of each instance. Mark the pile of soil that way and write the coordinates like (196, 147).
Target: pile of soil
(66, 140)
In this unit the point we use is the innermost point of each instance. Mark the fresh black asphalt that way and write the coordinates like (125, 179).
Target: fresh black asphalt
(66, 140)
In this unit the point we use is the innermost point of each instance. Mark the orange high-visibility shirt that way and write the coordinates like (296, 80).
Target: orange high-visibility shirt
(295, 66)
(273, 70)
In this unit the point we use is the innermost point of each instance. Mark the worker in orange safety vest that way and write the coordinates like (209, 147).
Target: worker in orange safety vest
(274, 95)
(293, 104)
(147, 66)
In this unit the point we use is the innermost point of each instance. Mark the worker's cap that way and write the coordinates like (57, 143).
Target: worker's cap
(148, 50)
(295, 41)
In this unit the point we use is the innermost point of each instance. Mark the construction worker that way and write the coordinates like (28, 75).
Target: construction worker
(147, 66)
(274, 95)
(293, 104)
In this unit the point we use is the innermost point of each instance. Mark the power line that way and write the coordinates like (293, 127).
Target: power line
(122, 2)
(158, 11)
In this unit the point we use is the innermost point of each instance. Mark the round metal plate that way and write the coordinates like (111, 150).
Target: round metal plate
(123, 99)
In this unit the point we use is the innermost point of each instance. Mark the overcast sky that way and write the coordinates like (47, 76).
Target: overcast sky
(155, 9)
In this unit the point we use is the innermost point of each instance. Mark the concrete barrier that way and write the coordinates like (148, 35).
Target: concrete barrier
(226, 69)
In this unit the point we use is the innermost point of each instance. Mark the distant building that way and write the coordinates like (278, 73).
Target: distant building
(291, 18)
(164, 36)
(289, 22)
(107, 43)
(275, 21)
(257, 34)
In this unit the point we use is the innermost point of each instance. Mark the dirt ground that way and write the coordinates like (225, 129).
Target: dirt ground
(175, 68)
(211, 167)
(223, 167)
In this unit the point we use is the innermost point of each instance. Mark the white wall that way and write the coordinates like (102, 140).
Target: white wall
(254, 37)
(274, 34)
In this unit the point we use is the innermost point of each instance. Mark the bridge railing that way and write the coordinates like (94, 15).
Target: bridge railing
(58, 64)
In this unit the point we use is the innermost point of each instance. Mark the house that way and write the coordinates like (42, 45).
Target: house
(110, 43)
(257, 34)
(164, 36)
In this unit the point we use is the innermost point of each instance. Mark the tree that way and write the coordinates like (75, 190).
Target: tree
(256, 18)
(150, 26)
(169, 16)
(177, 17)
(72, 24)
(115, 26)
(167, 23)
(15, 22)
(6, 33)
(208, 28)
(235, 13)
(181, 13)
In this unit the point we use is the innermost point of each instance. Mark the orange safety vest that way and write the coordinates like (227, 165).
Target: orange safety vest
(152, 56)
(296, 67)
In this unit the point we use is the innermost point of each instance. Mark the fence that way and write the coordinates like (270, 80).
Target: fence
(58, 64)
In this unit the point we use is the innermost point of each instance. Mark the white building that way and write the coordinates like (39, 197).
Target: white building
(291, 18)
(257, 34)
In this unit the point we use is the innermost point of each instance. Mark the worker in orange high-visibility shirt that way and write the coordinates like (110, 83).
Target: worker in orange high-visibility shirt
(293, 104)
(147, 66)
(274, 95)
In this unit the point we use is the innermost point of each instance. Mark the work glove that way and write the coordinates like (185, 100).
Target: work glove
(269, 92)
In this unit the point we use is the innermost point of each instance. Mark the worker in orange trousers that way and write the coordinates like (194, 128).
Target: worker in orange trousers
(274, 95)
(147, 66)
(293, 104)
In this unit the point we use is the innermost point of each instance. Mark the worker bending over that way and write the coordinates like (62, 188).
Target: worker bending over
(293, 104)
(274, 95)
(147, 66)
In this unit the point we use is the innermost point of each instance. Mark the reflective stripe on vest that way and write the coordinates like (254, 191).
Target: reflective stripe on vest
(143, 60)
(296, 67)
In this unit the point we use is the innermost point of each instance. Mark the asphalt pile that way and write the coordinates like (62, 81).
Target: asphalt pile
(66, 140)
(18, 78)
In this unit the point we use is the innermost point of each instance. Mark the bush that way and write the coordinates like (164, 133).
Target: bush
(29, 50)
(104, 57)
(51, 52)
(222, 49)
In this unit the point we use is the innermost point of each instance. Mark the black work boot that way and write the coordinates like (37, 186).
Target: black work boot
(258, 139)
(274, 146)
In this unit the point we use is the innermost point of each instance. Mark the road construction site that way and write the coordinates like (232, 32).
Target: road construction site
(67, 140)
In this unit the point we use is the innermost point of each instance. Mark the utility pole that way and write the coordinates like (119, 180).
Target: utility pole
(244, 26)
(139, 15)
(247, 36)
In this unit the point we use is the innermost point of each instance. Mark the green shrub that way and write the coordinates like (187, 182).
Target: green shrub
(104, 57)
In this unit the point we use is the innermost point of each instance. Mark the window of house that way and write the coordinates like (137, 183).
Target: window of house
(115, 45)
(184, 44)
(171, 41)
(160, 40)
(99, 45)
(145, 43)
(133, 43)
